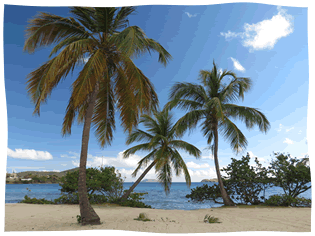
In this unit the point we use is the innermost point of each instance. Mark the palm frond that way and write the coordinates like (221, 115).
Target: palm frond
(234, 136)
(133, 42)
(191, 149)
(75, 42)
(104, 113)
(121, 21)
(236, 89)
(104, 16)
(86, 16)
(89, 75)
(138, 135)
(45, 29)
(181, 91)
(165, 177)
(133, 150)
(189, 121)
(250, 116)
(143, 162)
(179, 165)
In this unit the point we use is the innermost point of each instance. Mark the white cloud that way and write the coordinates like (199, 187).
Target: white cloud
(300, 132)
(190, 15)
(280, 128)
(266, 33)
(65, 155)
(49, 170)
(237, 65)
(208, 157)
(29, 154)
(230, 34)
(196, 166)
(63, 164)
(288, 141)
(251, 154)
(287, 130)
(130, 162)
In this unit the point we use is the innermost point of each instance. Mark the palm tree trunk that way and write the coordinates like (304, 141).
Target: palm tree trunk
(226, 199)
(125, 196)
(88, 215)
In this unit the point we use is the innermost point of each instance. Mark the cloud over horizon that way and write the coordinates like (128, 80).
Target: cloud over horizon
(29, 154)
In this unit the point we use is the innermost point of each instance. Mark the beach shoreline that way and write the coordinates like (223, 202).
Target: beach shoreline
(39, 217)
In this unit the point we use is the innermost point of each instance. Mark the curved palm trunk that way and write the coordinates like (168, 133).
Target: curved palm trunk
(125, 196)
(226, 199)
(88, 215)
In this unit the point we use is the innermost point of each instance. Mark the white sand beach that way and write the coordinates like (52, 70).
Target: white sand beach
(36, 217)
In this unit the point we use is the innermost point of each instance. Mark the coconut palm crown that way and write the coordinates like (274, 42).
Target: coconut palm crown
(212, 103)
(162, 144)
(100, 42)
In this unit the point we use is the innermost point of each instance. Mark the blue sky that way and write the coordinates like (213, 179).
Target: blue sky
(267, 43)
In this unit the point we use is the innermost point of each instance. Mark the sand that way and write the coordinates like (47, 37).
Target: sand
(37, 217)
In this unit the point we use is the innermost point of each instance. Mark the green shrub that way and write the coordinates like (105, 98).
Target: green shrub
(211, 219)
(142, 217)
(134, 201)
(286, 200)
(79, 219)
(36, 201)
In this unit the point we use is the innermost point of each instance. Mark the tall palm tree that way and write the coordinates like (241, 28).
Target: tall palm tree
(212, 103)
(103, 38)
(163, 147)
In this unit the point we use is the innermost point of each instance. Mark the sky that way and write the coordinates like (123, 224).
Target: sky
(267, 43)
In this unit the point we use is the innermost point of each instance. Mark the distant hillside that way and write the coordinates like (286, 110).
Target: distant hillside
(149, 180)
(44, 173)
(209, 180)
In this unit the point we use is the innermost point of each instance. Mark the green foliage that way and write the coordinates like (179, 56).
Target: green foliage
(243, 182)
(79, 219)
(142, 217)
(35, 200)
(211, 219)
(286, 200)
(291, 174)
(105, 180)
(247, 181)
(206, 192)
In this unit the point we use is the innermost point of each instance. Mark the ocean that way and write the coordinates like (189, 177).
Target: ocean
(156, 196)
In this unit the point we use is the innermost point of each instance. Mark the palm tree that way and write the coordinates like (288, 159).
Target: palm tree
(100, 40)
(163, 150)
(212, 103)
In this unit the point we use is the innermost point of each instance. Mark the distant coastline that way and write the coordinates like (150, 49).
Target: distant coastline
(209, 180)
(149, 181)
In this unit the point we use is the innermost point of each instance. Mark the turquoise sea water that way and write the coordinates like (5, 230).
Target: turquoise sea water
(156, 196)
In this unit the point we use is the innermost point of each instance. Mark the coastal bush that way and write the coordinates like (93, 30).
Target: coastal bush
(246, 181)
(36, 201)
(132, 201)
(104, 180)
(243, 183)
(291, 174)
(286, 200)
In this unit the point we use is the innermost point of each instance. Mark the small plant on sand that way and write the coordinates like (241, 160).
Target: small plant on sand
(142, 217)
(79, 219)
(211, 219)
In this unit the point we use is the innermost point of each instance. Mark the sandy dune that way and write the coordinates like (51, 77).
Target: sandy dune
(35, 217)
